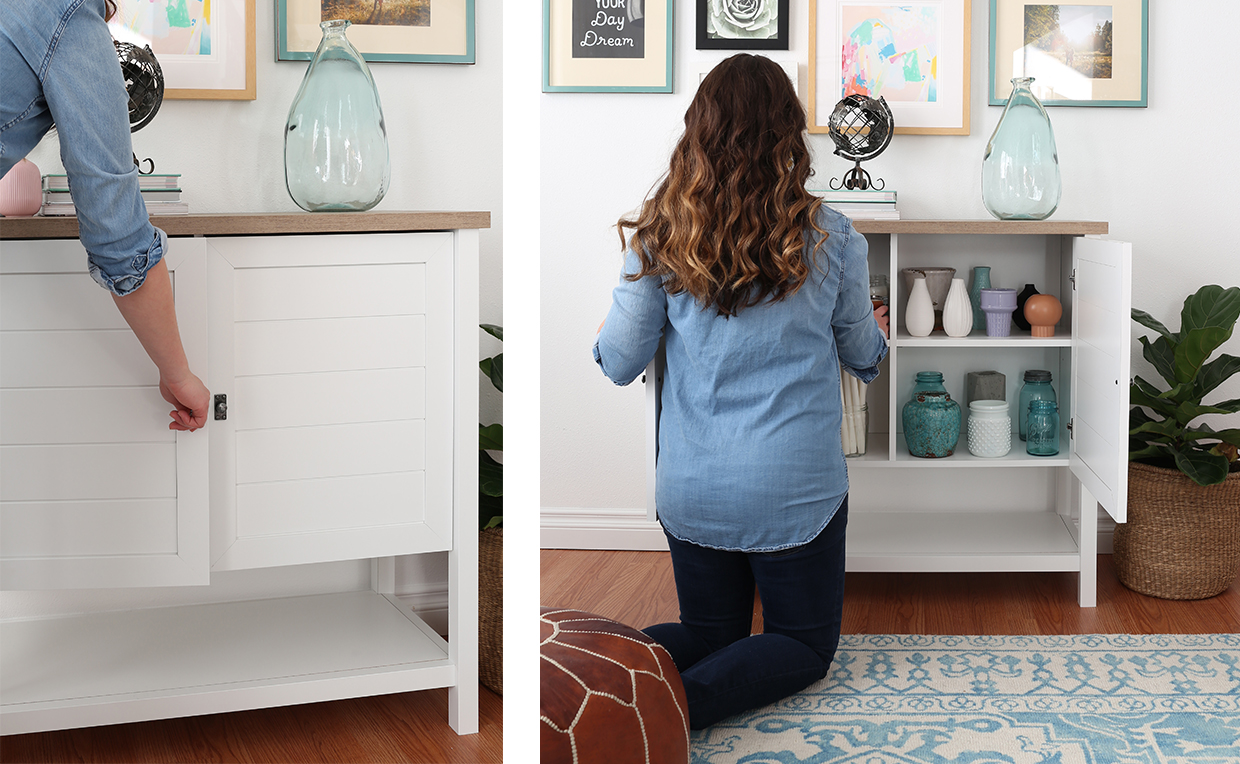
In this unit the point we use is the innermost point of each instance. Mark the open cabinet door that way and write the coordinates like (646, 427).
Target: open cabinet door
(1101, 334)
(654, 406)
(95, 490)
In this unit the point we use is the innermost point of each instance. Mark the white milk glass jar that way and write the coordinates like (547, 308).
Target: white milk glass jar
(990, 429)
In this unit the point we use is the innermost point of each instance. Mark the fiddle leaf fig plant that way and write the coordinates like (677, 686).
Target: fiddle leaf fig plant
(491, 438)
(1182, 359)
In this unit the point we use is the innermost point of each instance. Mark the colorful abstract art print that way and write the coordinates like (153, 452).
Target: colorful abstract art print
(891, 52)
(1078, 53)
(914, 54)
(205, 48)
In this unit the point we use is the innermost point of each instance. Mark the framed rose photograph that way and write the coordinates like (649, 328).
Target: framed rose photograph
(742, 24)
(913, 55)
(1082, 53)
(607, 46)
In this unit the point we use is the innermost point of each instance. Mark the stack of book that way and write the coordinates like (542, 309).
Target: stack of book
(162, 194)
(861, 205)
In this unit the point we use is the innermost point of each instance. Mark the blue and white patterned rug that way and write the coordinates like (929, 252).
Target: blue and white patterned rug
(1082, 699)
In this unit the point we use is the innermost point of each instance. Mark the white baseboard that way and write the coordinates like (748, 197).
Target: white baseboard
(628, 529)
(574, 528)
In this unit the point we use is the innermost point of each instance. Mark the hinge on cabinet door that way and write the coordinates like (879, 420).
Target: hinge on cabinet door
(221, 406)
(1072, 278)
(1070, 435)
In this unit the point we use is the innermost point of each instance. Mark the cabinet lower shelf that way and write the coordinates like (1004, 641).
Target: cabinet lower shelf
(907, 542)
(135, 665)
(876, 455)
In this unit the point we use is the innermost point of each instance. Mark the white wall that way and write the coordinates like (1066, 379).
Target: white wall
(444, 131)
(1164, 177)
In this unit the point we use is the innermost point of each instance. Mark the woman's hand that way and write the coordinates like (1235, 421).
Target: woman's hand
(191, 398)
(880, 315)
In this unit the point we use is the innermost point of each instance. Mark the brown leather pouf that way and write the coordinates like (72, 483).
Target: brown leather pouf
(609, 694)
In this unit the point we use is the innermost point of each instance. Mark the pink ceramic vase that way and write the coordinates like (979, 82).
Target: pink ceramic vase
(21, 190)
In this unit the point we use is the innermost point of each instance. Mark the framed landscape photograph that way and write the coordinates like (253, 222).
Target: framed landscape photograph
(205, 50)
(742, 24)
(914, 55)
(607, 46)
(1090, 53)
(403, 31)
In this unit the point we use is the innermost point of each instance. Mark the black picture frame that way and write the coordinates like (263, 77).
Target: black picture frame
(778, 42)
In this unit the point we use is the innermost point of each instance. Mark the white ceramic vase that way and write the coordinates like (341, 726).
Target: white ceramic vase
(958, 310)
(919, 312)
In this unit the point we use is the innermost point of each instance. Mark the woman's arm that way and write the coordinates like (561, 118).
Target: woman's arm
(629, 336)
(859, 332)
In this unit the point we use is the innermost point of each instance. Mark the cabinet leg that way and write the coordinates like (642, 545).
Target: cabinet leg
(1088, 585)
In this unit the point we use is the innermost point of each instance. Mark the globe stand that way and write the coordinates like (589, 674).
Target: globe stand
(857, 179)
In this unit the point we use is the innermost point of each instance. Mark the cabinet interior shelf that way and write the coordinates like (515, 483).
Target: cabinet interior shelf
(877, 450)
(1018, 339)
(116, 667)
(906, 542)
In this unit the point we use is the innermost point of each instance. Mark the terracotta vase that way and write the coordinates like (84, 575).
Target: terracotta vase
(1043, 311)
(21, 190)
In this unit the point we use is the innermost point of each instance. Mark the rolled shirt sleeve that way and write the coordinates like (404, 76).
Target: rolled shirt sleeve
(630, 335)
(859, 341)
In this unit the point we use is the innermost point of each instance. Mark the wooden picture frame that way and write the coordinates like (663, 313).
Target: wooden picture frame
(915, 56)
(590, 50)
(1079, 53)
(221, 64)
(719, 28)
(438, 32)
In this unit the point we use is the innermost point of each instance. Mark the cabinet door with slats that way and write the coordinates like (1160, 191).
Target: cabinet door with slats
(95, 490)
(335, 353)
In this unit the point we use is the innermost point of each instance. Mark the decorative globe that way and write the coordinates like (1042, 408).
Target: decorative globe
(860, 127)
(144, 81)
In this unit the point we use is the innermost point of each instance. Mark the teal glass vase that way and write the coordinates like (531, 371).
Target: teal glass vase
(981, 280)
(931, 424)
(335, 141)
(1020, 172)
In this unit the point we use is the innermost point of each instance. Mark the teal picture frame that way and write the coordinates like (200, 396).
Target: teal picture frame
(290, 51)
(1134, 33)
(548, 48)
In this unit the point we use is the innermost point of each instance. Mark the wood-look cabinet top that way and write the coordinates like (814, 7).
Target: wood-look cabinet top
(986, 226)
(259, 223)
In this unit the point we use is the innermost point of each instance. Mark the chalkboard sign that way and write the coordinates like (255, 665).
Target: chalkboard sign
(608, 29)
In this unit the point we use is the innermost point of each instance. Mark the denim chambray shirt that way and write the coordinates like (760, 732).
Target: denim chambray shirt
(58, 64)
(750, 457)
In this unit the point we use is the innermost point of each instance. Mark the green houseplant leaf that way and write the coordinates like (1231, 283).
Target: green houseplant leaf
(1182, 359)
(491, 438)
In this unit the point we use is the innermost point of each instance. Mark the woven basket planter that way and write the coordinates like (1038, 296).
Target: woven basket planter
(491, 609)
(1182, 540)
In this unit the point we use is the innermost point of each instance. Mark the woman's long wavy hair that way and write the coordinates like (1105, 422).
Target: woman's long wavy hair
(728, 222)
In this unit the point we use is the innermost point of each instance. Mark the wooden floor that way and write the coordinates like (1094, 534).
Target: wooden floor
(405, 727)
(636, 588)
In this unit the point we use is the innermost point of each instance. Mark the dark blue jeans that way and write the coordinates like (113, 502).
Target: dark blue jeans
(725, 670)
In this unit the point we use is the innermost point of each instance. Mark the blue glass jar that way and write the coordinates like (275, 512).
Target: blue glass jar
(1043, 432)
(1037, 387)
(931, 424)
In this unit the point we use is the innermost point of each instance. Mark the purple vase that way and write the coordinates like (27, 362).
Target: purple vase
(998, 305)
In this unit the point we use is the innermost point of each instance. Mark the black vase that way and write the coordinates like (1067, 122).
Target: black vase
(1018, 317)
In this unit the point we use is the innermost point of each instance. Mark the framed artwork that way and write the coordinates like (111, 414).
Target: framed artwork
(1090, 53)
(403, 31)
(915, 55)
(742, 24)
(205, 50)
(607, 46)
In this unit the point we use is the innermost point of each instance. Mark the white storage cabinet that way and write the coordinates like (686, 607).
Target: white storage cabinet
(343, 367)
(1019, 512)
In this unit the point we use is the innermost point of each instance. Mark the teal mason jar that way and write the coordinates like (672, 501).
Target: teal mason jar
(1037, 387)
(931, 424)
(1043, 433)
